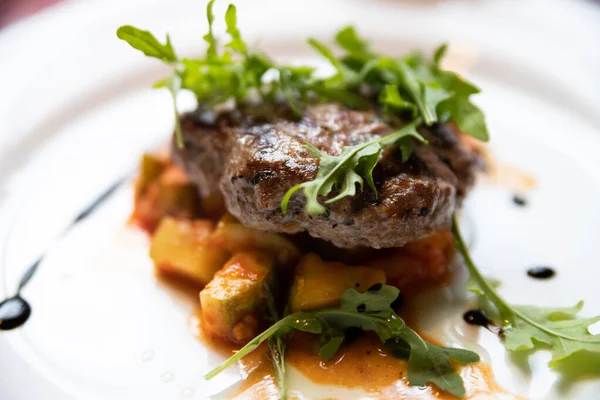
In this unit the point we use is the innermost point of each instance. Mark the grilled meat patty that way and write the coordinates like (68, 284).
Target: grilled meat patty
(254, 158)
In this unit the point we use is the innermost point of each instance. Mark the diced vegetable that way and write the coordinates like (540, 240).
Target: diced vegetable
(150, 169)
(319, 284)
(178, 247)
(233, 300)
(236, 237)
(163, 189)
(179, 200)
(424, 261)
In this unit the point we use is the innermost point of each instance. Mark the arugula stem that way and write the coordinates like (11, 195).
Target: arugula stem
(473, 271)
(277, 347)
(491, 293)
(247, 349)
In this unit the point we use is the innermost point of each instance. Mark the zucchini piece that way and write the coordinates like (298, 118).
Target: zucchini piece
(178, 248)
(179, 200)
(319, 284)
(233, 300)
(169, 193)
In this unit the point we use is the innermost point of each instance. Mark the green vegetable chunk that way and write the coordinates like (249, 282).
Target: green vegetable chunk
(234, 298)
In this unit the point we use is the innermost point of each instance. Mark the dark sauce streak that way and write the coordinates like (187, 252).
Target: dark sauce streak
(15, 311)
(519, 200)
(478, 317)
(96, 203)
(541, 272)
(29, 273)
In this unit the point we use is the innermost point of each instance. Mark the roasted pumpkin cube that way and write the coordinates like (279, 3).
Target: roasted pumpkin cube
(236, 237)
(178, 248)
(319, 284)
(235, 297)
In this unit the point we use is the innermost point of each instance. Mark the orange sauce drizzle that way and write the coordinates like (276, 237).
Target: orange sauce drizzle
(361, 364)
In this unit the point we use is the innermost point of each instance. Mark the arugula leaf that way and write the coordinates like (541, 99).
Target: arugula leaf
(345, 76)
(209, 38)
(458, 108)
(353, 166)
(301, 321)
(429, 363)
(375, 301)
(349, 40)
(406, 86)
(439, 53)
(436, 94)
(331, 344)
(371, 311)
(426, 95)
(528, 327)
(409, 87)
(145, 42)
(237, 43)
(393, 102)
(468, 117)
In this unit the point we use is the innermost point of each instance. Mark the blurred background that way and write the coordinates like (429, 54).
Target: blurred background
(13, 10)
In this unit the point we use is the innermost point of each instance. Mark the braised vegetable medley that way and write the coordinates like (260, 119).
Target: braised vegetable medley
(245, 274)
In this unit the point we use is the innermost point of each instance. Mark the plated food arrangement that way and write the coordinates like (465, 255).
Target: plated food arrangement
(309, 208)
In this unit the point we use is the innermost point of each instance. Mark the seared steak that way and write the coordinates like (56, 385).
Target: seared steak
(253, 160)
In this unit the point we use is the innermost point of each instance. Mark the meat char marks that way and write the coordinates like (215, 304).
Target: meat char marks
(253, 160)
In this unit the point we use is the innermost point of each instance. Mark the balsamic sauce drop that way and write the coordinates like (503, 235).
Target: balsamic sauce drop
(478, 317)
(519, 200)
(15, 311)
(541, 272)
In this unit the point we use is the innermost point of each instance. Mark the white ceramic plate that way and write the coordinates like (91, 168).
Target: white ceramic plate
(76, 112)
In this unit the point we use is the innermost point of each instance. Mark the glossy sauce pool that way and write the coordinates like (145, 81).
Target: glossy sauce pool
(361, 364)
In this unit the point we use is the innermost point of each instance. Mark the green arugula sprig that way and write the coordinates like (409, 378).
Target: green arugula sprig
(371, 311)
(233, 71)
(353, 166)
(528, 327)
(411, 85)
(407, 87)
